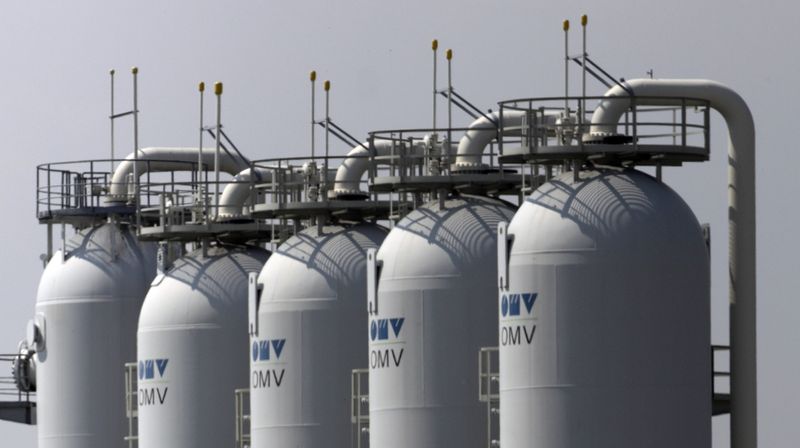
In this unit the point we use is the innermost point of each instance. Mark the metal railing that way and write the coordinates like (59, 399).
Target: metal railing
(566, 122)
(720, 399)
(429, 151)
(16, 391)
(69, 185)
(489, 392)
(242, 419)
(74, 186)
(359, 407)
(131, 404)
(8, 384)
(287, 180)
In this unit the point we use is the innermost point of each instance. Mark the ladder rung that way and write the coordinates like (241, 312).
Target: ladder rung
(119, 115)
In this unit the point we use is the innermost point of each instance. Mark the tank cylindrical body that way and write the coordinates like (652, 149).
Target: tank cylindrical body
(192, 352)
(604, 324)
(86, 310)
(311, 320)
(436, 293)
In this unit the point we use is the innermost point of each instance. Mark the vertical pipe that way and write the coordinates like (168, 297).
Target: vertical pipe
(584, 22)
(201, 88)
(111, 117)
(449, 55)
(566, 65)
(49, 242)
(313, 77)
(218, 93)
(742, 232)
(434, 47)
(327, 86)
(135, 72)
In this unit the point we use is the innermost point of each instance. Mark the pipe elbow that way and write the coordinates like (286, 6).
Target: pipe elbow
(349, 173)
(480, 134)
(236, 194)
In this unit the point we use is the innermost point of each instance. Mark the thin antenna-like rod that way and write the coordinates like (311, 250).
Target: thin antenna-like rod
(566, 64)
(449, 55)
(584, 22)
(434, 47)
(111, 116)
(313, 78)
(327, 87)
(218, 93)
(135, 72)
(201, 88)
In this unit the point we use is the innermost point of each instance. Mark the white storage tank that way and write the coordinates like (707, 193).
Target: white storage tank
(604, 323)
(310, 336)
(435, 295)
(85, 331)
(192, 351)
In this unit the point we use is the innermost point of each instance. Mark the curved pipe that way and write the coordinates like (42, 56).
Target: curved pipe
(483, 130)
(237, 193)
(741, 222)
(349, 173)
(167, 159)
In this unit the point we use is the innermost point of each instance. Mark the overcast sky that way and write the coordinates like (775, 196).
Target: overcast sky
(54, 93)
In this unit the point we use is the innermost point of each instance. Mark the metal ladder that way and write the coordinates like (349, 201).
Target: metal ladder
(359, 407)
(489, 392)
(242, 418)
(132, 404)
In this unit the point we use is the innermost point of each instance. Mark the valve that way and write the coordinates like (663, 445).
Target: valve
(23, 368)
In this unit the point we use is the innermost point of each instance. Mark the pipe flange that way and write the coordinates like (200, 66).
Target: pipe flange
(469, 166)
(347, 194)
(229, 216)
(116, 199)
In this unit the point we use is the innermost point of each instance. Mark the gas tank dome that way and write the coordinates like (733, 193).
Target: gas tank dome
(310, 336)
(88, 299)
(103, 259)
(192, 351)
(436, 286)
(605, 317)
(316, 265)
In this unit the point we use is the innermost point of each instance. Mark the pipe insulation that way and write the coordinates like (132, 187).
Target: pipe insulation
(741, 223)
(482, 131)
(352, 169)
(167, 159)
(237, 192)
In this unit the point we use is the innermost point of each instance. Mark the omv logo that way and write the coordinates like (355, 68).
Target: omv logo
(268, 349)
(148, 368)
(385, 329)
(512, 304)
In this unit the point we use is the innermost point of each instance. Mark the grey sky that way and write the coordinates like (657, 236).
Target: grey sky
(55, 58)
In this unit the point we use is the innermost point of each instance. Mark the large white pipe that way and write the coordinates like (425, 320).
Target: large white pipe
(237, 192)
(348, 176)
(482, 131)
(741, 222)
(167, 159)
